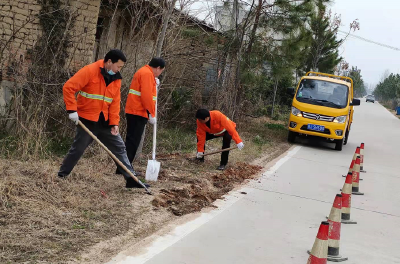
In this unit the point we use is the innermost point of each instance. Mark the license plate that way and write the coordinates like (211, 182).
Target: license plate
(316, 127)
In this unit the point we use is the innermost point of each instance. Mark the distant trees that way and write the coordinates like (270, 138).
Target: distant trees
(358, 82)
(388, 88)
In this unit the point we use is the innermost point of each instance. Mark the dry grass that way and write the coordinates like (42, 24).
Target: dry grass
(49, 220)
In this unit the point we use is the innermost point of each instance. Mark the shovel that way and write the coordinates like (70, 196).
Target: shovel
(153, 166)
(113, 157)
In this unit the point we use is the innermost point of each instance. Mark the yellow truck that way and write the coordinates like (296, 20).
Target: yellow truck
(323, 107)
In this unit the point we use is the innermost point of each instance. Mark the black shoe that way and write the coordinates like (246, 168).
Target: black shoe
(62, 176)
(221, 167)
(131, 183)
(201, 160)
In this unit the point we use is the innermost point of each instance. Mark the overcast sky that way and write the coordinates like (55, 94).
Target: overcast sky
(379, 22)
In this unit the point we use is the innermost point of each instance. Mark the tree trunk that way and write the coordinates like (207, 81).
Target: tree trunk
(166, 17)
(254, 29)
(273, 102)
(240, 33)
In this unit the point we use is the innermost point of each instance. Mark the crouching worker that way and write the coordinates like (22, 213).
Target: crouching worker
(97, 106)
(214, 124)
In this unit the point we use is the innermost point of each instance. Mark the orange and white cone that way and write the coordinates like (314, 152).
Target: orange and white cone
(356, 178)
(346, 200)
(319, 251)
(362, 158)
(356, 153)
(351, 167)
(334, 230)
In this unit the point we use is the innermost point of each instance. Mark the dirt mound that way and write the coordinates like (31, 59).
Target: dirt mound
(199, 193)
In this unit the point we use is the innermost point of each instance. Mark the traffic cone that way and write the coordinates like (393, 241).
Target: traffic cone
(351, 167)
(356, 153)
(334, 230)
(346, 200)
(362, 158)
(356, 178)
(319, 251)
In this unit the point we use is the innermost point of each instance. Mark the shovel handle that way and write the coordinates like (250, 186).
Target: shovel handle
(219, 151)
(112, 156)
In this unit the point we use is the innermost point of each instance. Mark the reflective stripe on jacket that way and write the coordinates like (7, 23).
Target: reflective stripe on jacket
(93, 95)
(219, 123)
(142, 93)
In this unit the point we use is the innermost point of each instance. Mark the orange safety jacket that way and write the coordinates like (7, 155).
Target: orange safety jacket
(93, 95)
(219, 123)
(142, 93)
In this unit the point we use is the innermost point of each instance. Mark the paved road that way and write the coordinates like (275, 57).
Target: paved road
(277, 220)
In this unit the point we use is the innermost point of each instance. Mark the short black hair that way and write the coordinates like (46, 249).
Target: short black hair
(157, 62)
(114, 55)
(202, 114)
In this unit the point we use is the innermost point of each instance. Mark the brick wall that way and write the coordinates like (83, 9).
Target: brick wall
(83, 34)
(20, 30)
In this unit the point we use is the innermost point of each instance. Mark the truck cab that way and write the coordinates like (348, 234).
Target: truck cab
(323, 107)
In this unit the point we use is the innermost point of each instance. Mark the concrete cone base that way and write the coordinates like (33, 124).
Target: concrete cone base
(336, 258)
(348, 222)
(344, 176)
(345, 221)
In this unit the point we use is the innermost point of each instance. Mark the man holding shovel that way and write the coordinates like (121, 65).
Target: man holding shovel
(97, 106)
(141, 103)
(213, 124)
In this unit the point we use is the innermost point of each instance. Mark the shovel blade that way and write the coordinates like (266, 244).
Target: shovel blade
(153, 168)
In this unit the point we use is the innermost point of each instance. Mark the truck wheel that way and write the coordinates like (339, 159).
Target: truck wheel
(291, 136)
(339, 144)
(346, 137)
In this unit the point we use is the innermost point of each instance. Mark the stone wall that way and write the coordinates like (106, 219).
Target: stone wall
(20, 30)
(85, 13)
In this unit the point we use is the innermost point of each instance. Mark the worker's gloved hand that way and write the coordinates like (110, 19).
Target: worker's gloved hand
(152, 120)
(74, 117)
(199, 155)
(240, 145)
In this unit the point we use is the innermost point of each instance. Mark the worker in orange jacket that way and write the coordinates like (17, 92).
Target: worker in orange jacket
(97, 106)
(213, 124)
(140, 104)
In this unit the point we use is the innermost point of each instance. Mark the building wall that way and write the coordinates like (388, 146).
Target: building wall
(20, 30)
(191, 64)
(83, 33)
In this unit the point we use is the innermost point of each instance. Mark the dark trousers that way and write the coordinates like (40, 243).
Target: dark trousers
(135, 127)
(226, 143)
(82, 140)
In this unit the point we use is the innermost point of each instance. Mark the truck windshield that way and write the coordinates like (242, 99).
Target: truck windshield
(319, 92)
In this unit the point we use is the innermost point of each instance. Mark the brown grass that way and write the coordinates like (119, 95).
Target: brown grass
(44, 219)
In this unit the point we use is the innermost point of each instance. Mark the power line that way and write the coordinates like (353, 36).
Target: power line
(369, 41)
